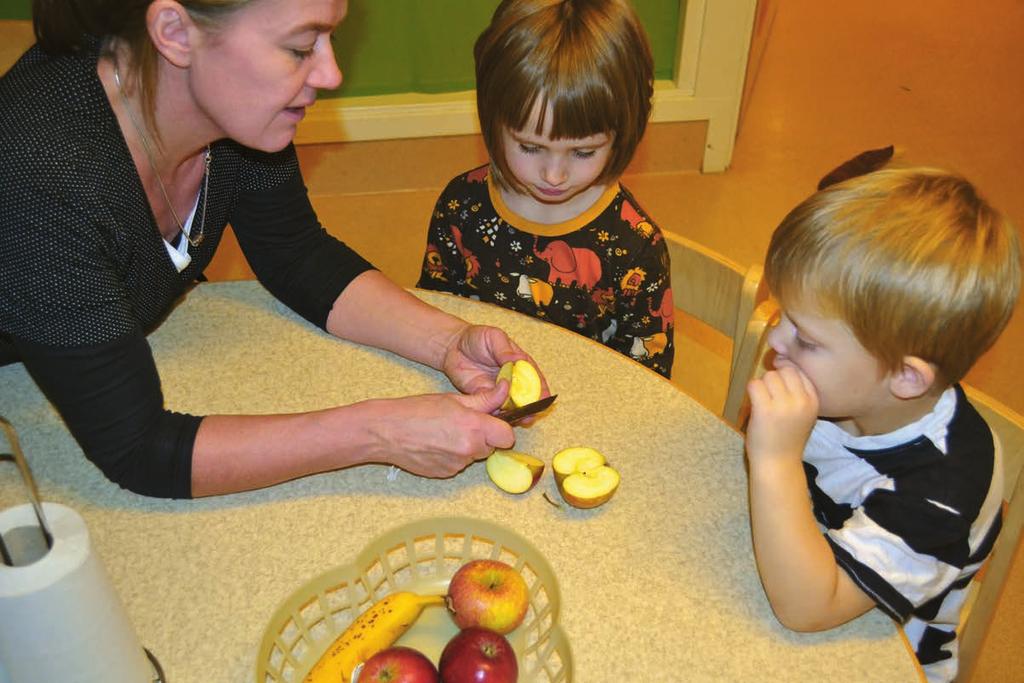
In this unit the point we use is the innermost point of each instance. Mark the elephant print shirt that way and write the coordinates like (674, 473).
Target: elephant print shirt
(603, 274)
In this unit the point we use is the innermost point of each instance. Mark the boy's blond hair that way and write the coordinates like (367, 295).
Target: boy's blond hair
(588, 59)
(913, 260)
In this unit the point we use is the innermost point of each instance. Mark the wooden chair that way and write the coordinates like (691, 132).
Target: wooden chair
(1008, 429)
(730, 299)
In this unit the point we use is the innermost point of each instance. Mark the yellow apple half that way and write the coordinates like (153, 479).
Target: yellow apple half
(514, 472)
(523, 383)
(584, 478)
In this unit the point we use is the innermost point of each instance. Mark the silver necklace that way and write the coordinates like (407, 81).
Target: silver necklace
(198, 239)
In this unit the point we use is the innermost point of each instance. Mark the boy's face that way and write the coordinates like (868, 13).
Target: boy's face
(850, 382)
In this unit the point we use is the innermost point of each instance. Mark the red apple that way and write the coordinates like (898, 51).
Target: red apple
(398, 665)
(488, 593)
(476, 655)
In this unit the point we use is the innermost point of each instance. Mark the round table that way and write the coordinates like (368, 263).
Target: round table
(659, 584)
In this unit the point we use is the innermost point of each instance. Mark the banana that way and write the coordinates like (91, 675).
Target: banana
(374, 630)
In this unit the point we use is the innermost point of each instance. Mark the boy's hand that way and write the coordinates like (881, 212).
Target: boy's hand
(807, 589)
(783, 409)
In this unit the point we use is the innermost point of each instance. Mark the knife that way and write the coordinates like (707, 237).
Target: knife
(513, 415)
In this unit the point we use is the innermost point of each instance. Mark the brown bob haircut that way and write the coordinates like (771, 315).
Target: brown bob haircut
(914, 261)
(588, 60)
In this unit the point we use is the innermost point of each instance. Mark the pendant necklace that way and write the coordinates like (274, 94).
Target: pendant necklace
(195, 242)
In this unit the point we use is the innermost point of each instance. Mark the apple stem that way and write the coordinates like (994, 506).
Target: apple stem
(555, 503)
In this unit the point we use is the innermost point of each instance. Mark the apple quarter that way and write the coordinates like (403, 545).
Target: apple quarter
(514, 472)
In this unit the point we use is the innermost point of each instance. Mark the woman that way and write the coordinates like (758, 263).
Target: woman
(134, 131)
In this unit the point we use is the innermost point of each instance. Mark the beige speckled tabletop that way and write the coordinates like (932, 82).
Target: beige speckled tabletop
(657, 585)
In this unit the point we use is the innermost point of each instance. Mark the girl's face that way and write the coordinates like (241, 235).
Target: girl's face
(255, 76)
(555, 172)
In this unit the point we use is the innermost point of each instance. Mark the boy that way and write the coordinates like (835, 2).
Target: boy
(892, 285)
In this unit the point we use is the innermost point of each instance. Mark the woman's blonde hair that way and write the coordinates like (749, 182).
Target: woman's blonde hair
(588, 60)
(913, 260)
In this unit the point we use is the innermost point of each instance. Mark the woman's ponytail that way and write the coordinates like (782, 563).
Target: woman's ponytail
(63, 26)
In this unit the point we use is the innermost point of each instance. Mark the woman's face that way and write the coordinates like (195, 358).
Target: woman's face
(255, 75)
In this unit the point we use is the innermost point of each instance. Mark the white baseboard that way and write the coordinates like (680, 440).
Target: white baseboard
(708, 87)
(413, 115)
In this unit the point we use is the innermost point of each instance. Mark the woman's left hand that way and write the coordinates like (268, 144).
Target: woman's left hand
(477, 353)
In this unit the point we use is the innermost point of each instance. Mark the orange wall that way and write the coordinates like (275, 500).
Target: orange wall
(942, 79)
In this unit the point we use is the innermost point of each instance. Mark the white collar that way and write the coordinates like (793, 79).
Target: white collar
(179, 254)
(932, 426)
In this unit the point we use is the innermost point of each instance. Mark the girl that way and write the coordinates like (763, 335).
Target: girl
(563, 93)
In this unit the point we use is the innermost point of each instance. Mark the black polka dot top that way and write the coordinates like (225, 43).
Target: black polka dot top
(82, 261)
(85, 274)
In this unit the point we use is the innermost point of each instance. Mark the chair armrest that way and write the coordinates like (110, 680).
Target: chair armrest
(748, 360)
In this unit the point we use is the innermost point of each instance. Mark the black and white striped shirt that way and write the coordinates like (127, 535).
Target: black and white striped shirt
(911, 516)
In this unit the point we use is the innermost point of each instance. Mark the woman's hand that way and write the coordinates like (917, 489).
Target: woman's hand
(476, 353)
(373, 310)
(783, 409)
(436, 435)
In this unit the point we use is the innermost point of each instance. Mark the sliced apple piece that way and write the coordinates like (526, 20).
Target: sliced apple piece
(514, 472)
(523, 383)
(584, 479)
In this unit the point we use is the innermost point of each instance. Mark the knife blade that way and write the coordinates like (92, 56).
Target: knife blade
(512, 415)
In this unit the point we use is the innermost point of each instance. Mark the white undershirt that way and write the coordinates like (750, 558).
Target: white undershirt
(179, 254)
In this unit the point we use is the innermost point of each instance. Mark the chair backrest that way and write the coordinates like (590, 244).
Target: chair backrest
(724, 296)
(1008, 428)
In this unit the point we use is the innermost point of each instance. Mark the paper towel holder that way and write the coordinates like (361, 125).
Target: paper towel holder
(7, 555)
(30, 550)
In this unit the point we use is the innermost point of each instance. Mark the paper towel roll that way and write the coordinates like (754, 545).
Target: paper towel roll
(60, 617)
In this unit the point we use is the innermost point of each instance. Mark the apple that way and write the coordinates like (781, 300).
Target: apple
(398, 665)
(523, 383)
(514, 472)
(488, 593)
(476, 655)
(584, 479)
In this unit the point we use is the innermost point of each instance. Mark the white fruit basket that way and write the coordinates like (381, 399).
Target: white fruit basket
(420, 557)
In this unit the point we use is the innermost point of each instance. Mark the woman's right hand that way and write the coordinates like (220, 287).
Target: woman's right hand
(435, 435)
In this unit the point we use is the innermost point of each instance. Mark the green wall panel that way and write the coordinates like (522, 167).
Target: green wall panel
(392, 46)
(15, 9)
